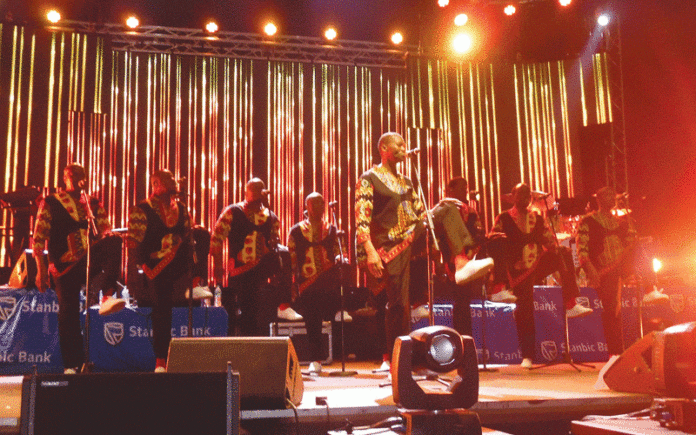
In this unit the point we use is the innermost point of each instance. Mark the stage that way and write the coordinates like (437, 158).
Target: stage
(511, 400)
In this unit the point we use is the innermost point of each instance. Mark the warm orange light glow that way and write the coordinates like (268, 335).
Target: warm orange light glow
(397, 38)
(462, 43)
(270, 29)
(657, 265)
(132, 22)
(442, 3)
(53, 16)
(211, 27)
(331, 33)
(461, 19)
(564, 2)
(510, 10)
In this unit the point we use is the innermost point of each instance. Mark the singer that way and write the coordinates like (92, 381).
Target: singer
(389, 234)
(159, 244)
(63, 228)
(255, 256)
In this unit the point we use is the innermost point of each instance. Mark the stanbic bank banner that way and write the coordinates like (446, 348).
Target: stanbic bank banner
(118, 342)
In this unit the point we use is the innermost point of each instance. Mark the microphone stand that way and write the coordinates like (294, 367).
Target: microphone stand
(431, 232)
(343, 372)
(566, 358)
(87, 364)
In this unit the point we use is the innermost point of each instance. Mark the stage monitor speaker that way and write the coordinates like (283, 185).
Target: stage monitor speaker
(268, 366)
(661, 363)
(130, 403)
(24, 273)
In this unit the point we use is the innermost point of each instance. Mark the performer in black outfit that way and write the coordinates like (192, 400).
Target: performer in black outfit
(159, 246)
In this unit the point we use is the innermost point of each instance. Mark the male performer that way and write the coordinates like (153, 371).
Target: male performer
(253, 232)
(460, 234)
(63, 228)
(389, 231)
(313, 246)
(159, 247)
(532, 255)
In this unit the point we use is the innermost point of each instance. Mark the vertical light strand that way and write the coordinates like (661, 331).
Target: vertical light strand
(30, 107)
(567, 149)
(496, 193)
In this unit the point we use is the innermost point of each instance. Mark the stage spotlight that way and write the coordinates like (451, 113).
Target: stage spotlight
(211, 27)
(461, 19)
(657, 265)
(330, 34)
(564, 2)
(462, 43)
(442, 3)
(603, 19)
(270, 29)
(132, 22)
(53, 16)
(441, 350)
(397, 38)
(510, 10)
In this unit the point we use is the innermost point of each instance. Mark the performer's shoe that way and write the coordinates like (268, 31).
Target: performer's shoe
(504, 296)
(160, 369)
(314, 368)
(420, 312)
(578, 311)
(472, 270)
(526, 363)
(111, 305)
(346, 317)
(70, 371)
(289, 314)
(199, 292)
(384, 368)
(161, 365)
(655, 297)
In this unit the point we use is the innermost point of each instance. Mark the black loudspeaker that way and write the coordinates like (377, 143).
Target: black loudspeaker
(130, 403)
(268, 366)
(24, 273)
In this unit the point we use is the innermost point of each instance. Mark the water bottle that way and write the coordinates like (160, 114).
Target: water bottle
(218, 296)
(125, 294)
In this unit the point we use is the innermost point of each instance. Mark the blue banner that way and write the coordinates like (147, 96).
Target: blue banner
(119, 342)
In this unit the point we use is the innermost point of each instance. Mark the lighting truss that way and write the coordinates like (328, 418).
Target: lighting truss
(197, 42)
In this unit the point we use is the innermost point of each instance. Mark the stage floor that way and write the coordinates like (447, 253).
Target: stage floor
(511, 395)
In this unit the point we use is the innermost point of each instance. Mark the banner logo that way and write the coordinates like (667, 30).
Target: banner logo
(583, 300)
(677, 303)
(113, 332)
(7, 307)
(549, 350)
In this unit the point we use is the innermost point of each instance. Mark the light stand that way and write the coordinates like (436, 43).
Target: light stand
(343, 371)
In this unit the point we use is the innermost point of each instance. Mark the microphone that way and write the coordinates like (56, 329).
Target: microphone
(537, 194)
(333, 203)
(412, 152)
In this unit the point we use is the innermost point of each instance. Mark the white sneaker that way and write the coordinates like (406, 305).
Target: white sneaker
(346, 317)
(526, 363)
(420, 312)
(504, 296)
(315, 368)
(385, 367)
(111, 305)
(472, 270)
(199, 292)
(578, 311)
(655, 297)
(160, 369)
(289, 314)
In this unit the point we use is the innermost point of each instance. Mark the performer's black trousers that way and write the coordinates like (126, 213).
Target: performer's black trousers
(611, 320)
(105, 267)
(549, 263)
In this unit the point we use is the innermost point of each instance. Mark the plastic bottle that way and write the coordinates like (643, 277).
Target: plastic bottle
(218, 296)
(125, 294)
